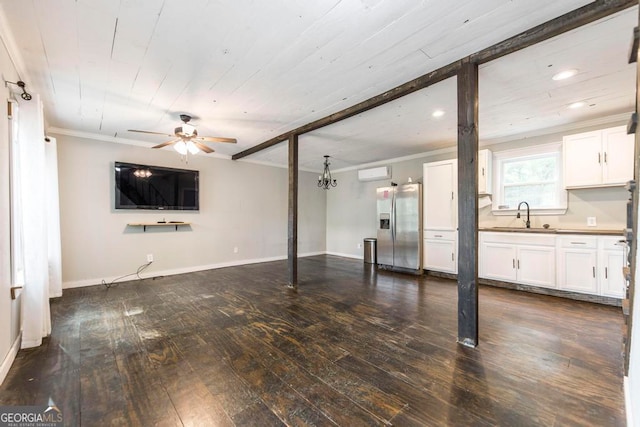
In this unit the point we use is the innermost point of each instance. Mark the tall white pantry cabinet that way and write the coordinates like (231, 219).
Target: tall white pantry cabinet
(440, 216)
(440, 210)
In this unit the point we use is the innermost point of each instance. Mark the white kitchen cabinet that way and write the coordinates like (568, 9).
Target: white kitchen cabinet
(521, 258)
(440, 251)
(610, 263)
(498, 261)
(440, 183)
(536, 266)
(484, 172)
(599, 158)
(577, 264)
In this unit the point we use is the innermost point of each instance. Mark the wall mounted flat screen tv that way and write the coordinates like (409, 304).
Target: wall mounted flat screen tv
(155, 187)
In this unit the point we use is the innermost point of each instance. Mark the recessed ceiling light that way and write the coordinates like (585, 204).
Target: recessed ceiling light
(438, 113)
(575, 105)
(565, 74)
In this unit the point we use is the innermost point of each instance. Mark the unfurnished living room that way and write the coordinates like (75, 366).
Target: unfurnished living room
(348, 212)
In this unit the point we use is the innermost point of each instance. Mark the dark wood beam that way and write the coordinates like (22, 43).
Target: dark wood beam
(468, 203)
(292, 229)
(569, 21)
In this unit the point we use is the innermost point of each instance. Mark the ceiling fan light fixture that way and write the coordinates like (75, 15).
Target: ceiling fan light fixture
(180, 147)
(192, 148)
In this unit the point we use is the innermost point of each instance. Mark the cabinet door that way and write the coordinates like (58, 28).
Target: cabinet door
(612, 283)
(440, 202)
(617, 155)
(484, 172)
(440, 255)
(536, 265)
(499, 261)
(578, 270)
(583, 159)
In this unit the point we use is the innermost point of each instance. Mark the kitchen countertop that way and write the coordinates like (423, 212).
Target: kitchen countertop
(595, 232)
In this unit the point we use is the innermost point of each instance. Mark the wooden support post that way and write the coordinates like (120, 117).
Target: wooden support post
(292, 229)
(468, 203)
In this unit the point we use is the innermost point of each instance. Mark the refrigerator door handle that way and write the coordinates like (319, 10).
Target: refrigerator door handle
(393, 221)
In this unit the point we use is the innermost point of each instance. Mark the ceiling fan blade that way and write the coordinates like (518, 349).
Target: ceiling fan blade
(203, 147)
(164, 144)
(216, 139)
(149, 132)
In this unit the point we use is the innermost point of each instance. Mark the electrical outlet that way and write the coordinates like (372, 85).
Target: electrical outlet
(149, 257)
(235, 249)
(359, 245)
(591, 221)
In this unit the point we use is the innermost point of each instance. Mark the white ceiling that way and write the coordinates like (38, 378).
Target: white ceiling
(252, 70)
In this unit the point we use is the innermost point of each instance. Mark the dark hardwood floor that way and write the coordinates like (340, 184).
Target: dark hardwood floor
(235, 347)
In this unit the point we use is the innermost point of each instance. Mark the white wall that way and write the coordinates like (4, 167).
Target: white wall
(242, 205)
(351, 206)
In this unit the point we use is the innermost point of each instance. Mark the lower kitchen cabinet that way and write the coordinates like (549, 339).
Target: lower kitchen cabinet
(584, 263)
(577, 264)
(440, 251)
(610, 263)
(535, 265)
(527, 259)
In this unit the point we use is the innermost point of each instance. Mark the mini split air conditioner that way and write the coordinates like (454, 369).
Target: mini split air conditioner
(374, 174)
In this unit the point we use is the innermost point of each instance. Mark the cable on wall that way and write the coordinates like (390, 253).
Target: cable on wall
(137, 274)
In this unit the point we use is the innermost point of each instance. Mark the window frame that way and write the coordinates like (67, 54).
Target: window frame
(500, 157)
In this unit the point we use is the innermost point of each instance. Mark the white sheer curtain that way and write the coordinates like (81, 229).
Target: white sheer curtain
(37, 201)
(53, 219)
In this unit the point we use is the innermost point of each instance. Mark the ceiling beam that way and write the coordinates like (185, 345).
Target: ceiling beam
(567, 22)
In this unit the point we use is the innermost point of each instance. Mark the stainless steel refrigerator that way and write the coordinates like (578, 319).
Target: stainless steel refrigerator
(400, 227)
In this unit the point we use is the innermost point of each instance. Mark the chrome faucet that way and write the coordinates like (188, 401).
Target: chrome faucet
(518, 216)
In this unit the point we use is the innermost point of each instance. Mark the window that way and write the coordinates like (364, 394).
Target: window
(533, 175)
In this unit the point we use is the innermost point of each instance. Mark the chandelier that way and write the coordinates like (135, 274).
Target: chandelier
(324, 180)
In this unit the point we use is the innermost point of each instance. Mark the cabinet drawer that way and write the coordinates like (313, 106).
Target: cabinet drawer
(612, 243)
(578, 241)
(440, 234)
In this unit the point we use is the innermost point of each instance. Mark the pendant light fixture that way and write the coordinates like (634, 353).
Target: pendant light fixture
(324, 180)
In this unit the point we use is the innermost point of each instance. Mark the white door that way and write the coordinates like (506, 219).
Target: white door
(617, 155)
(583, 159)
(440, 203)
(499, 261)
(578, 270)
(536, 265)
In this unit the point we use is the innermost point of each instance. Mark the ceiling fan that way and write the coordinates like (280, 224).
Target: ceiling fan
(187, 139)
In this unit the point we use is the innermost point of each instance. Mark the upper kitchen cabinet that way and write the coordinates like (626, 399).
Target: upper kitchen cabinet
(598, 159)
(484, 172)
(440, 195)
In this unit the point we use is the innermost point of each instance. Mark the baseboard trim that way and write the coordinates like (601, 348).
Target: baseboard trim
(11, 356)
(345, 255)
(192, 269)
(628, 403)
